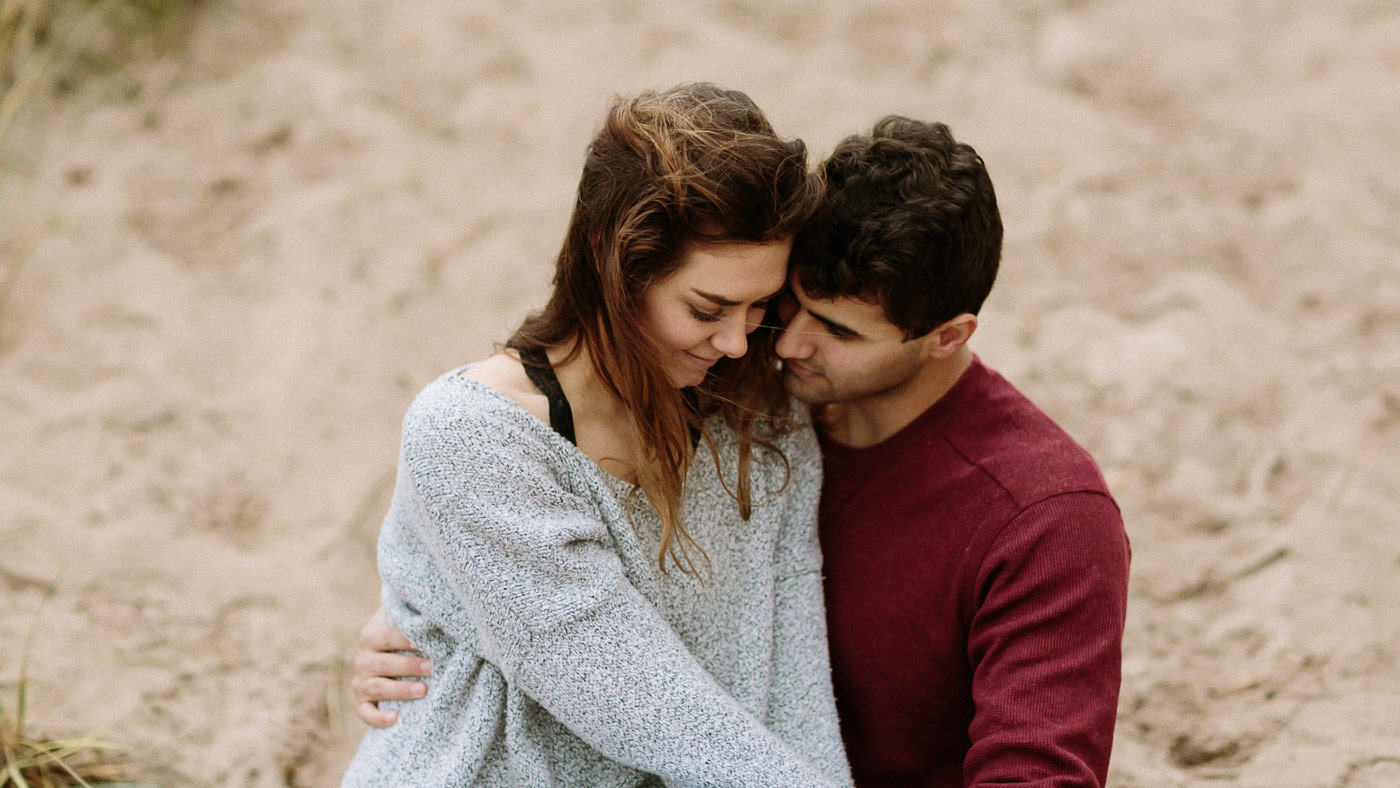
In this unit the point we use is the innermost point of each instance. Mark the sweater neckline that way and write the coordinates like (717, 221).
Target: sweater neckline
(909, 437)
(562, 444)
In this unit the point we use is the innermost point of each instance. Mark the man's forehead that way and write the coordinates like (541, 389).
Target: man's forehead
(850, 305)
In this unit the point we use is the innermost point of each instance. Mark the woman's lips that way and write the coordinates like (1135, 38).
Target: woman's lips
(700, 361)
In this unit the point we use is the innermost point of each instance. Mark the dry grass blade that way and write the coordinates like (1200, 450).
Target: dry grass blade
(38, 762)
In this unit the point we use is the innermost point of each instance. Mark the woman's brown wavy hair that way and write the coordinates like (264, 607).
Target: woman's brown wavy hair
(691, 165)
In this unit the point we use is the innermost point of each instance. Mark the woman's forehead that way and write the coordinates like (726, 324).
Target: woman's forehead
(735, 271)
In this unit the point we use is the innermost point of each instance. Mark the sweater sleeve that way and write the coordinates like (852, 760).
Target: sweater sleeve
(803, 707)
(1045, 646)
(534, 569)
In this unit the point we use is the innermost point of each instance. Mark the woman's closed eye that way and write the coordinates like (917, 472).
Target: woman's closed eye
(703, 316)
(707, 317)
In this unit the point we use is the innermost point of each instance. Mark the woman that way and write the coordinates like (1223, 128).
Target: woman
(604, 538)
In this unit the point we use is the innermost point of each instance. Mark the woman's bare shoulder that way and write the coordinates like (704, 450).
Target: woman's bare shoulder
(504, 373)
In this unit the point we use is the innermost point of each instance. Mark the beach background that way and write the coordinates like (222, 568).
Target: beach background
(229, 262)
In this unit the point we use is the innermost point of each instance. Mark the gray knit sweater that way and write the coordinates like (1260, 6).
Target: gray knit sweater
(562, 655)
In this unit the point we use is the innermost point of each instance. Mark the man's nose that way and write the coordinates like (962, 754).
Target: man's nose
(792, 340)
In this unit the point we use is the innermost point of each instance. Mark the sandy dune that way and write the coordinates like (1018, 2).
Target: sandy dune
(227, 288)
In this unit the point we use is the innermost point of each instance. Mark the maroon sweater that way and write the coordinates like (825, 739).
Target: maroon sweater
(976, 582)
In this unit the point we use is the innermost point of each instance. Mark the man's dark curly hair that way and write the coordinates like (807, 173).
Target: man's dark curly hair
(909, 221)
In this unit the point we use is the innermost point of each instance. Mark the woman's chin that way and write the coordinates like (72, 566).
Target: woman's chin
(686, 377)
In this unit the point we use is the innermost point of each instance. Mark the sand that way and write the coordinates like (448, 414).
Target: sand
(229, 274)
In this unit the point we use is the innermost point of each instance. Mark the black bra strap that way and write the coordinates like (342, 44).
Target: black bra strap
(561, 415)
(541, 373)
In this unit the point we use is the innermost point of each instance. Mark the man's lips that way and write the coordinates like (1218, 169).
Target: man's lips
(796, 368)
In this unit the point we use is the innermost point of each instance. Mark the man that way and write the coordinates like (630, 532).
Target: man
(976, 565)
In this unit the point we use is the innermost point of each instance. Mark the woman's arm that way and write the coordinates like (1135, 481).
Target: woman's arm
(803, 706)
(535, 571)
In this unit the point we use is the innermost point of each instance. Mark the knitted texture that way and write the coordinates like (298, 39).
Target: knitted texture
(562, 655)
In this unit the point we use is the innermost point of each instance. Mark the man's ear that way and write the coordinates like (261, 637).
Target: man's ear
(945, 340)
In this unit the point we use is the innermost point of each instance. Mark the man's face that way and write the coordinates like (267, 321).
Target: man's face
(841, 349)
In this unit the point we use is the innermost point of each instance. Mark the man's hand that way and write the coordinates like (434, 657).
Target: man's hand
(377, 668)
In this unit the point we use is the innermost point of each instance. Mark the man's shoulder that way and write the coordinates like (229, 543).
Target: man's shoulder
(1017, 445)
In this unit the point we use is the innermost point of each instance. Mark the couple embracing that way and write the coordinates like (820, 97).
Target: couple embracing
(739, 503)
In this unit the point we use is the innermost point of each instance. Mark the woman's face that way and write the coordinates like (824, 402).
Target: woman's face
(708, 306)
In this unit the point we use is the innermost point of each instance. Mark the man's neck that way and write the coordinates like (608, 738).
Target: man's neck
(873, 419)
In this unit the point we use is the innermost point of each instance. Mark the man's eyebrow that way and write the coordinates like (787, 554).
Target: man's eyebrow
(836, 328)
(719, 300)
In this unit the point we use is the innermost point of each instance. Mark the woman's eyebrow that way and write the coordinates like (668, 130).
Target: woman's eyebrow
(719, 300)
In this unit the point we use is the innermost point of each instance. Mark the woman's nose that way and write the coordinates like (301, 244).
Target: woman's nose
(732, 338)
